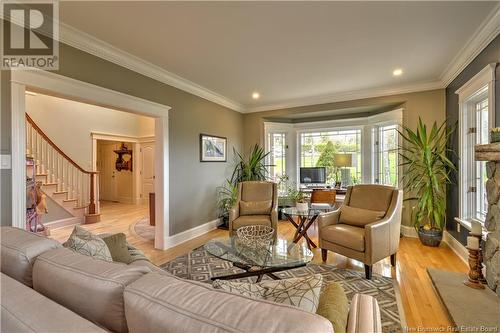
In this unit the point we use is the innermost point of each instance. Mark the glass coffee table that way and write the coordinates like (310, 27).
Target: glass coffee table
(305, 220)
(279, 256)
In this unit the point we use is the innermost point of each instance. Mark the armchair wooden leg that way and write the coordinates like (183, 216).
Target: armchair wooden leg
(368, 272)
(393, 260)
(324, 254)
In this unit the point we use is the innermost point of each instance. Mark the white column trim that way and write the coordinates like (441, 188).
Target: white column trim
(18, 127)
(162, 232)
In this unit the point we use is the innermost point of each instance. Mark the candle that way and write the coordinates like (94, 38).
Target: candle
(477, 228)
(472, 243)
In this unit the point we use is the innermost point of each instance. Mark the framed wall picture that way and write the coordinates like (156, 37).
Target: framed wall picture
(213, 148)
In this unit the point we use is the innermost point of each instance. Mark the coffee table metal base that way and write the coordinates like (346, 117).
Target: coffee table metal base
(254, 271)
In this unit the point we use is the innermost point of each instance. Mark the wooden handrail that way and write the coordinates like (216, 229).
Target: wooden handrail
(39, 130)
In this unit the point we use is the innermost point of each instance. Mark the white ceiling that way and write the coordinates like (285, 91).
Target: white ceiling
(290, 52)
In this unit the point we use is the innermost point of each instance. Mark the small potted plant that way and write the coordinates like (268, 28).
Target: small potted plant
(298, 197)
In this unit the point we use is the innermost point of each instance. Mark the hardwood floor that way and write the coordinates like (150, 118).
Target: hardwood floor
(422, 307)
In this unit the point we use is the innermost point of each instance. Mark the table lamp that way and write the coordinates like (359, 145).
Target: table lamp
(342, 161)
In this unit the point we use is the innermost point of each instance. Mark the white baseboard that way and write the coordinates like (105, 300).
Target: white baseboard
(408, 231)
(184, 236)
(456, 247)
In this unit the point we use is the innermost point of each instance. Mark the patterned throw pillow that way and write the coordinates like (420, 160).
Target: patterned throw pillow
(84, 242)
(300, 292)
(252, 290)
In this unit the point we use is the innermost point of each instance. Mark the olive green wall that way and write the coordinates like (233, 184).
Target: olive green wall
(429, 105)
(192, 183)
(5, 144)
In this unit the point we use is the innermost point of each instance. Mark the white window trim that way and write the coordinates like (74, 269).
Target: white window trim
(466, 94)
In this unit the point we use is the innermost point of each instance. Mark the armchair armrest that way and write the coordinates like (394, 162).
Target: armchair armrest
(379, 238)
(234, 212)
(329, 218)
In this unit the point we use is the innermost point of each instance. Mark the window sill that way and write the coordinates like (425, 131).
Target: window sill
(467, 225)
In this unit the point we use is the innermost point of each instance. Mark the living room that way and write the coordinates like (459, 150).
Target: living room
(257, 109)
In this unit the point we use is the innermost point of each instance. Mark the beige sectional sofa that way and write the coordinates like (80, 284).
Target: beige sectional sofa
(48, 288)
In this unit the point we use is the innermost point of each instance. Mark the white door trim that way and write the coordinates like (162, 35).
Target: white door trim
(54, 84)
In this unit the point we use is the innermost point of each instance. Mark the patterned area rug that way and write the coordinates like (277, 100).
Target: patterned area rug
(143, 229)
(200, 266)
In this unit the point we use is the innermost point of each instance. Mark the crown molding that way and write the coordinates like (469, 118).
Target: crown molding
(486, 32)
(348, 96)
(90, 44)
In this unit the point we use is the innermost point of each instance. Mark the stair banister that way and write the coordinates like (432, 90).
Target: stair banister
(72, 176)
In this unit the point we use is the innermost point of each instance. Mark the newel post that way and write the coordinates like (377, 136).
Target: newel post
(93, 214)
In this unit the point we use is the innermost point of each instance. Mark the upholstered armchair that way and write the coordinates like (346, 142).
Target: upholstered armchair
(257, 204)
(366, 227)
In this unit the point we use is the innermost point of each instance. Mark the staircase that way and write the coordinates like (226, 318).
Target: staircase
(69, 185)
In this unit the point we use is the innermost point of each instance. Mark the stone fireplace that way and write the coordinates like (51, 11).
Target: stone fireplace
(491, 252)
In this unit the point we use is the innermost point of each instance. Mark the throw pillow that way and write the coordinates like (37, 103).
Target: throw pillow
(255, 207)
(117, 245)
(253, 290)
(84, 242)
(359, 216)
(334, 306)
(300, 292)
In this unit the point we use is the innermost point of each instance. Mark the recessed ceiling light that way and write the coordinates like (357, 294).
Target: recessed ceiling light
(255, 95)
(397, 72)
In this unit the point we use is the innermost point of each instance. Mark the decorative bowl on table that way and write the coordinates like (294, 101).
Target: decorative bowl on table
(255, 235)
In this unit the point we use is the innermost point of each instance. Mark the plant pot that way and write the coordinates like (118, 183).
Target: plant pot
(225, 222)
(494, 137)
(302, 206)
(431, 237)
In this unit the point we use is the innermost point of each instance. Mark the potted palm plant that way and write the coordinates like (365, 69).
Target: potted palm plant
(426, 173)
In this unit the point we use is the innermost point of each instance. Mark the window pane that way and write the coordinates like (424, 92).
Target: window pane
(388, 155)
(318, 149)
(482, 133)
(277, 155)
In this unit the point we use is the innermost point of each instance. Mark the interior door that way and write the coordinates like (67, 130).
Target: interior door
(107, 172)
(147, 169)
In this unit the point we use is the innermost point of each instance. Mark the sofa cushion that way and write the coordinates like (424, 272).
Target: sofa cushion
(117, 246)
(25, 310)
(345, 235)
(84, 242)
(359, 216)
(256, 207)
(90, 287)
(165, 303)
(334, 306)
(252, 220)
(19, 251)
